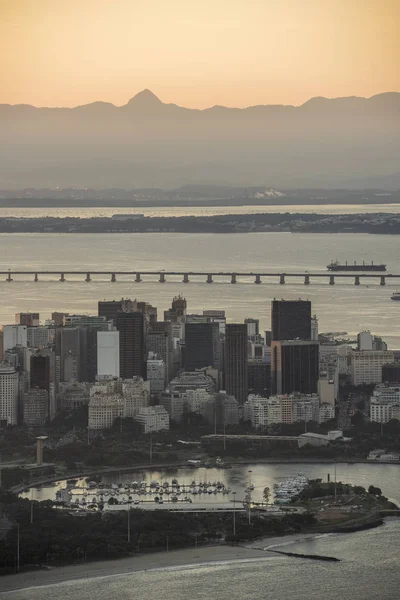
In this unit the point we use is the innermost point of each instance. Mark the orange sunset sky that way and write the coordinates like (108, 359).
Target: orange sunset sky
(197, 53)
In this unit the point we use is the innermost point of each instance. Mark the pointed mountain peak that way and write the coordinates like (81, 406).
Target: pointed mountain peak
(144, 98)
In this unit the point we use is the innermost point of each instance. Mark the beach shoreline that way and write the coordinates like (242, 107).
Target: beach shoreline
(124, 566)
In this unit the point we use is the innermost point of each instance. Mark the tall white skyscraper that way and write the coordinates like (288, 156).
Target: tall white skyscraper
(14, 335)
(8, 394)
(108, 353)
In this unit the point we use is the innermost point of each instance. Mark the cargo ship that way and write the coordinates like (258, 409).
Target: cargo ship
(336, 266)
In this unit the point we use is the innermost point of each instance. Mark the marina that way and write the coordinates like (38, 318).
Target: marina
(289, 487)
(97, 496)
(236, 479)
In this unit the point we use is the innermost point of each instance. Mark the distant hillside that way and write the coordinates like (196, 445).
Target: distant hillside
(343, 142)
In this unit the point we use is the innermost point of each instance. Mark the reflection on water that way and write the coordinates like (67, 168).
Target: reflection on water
(238, 478)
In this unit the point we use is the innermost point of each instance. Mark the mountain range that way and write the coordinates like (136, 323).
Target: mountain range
(347, 142)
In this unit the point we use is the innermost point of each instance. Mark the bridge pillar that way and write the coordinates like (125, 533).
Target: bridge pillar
(282, 279)
(306, 279)
(113, 278)
(383, 280)
(357, 280)
(186, 278)
(36, 277)
(257, 279)
(233, 278)
(62, 277)
(88, 278)
(138, 279)
(9, 278)
(162, 277)
(209, 278)
(331, 280)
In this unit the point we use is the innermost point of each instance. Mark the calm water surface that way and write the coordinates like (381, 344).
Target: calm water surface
(387, 477)
(343, 307)
(199, 211)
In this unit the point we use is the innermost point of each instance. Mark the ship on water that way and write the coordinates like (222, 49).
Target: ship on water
(335, 265)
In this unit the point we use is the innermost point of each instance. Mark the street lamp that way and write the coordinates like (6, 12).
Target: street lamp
(249, 494)
(31, 507)
(234, 512)
(335, 484)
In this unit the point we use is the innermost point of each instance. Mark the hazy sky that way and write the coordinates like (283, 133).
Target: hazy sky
(197, 52)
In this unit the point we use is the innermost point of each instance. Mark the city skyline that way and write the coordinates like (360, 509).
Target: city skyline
(234, 54)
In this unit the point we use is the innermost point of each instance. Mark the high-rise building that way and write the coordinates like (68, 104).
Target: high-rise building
(365, 340)
(291, 320)
(153, 418)
(35, 407)
(216, 316)
(314, 328)
(8, 394)
(155, 374)
(14, 335)
(294, 366)
(136, 394)
(108, 353)
(29, 319)
(110, 308)
(391, 372)
(222, 409)
(43, 377)
(40, 371)
(366, 365)
(202, 346)
(159, 342)
(177, 310)
(149, 311)
(58, 318)
(132, 347)
(253, 328)
(69, 343)
(259, 378)
(39, 337)
(236, 382)
(174, 404)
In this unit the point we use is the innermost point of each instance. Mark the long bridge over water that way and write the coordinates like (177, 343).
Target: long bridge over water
(206, 276)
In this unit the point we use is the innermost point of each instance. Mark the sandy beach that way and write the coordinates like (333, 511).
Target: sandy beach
(121, 566)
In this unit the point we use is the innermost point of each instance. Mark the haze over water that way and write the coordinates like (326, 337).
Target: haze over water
(199, 211)
(342, 307)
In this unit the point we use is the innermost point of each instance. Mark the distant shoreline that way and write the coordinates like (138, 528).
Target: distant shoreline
(377, 223)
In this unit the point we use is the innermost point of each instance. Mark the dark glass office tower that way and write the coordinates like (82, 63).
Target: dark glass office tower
(41, 371)
(391, 373)
(202, 346)
(295, 367)
(110, 308)
(291, 320)
(236, 361)
(132, 347)
(259, 378)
